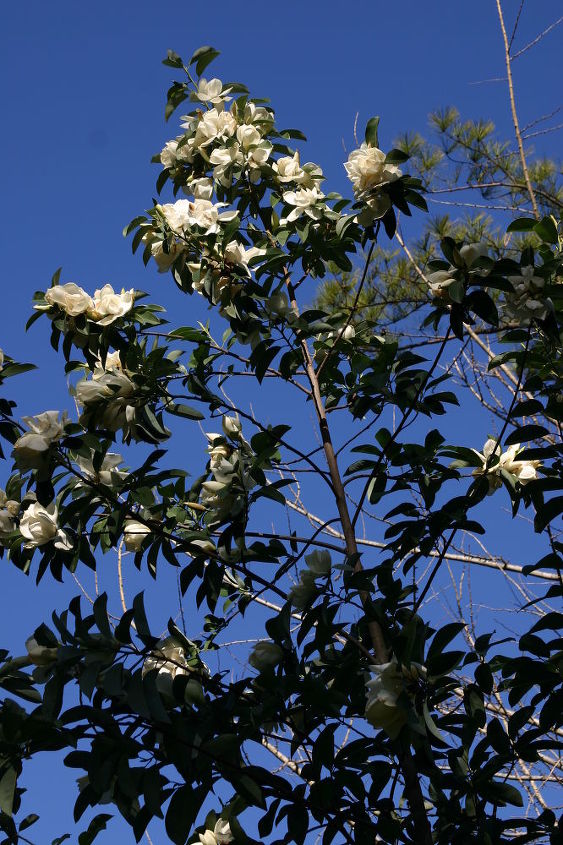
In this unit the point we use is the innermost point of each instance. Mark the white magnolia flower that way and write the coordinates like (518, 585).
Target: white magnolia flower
(440, 281)
(301, 593)
(223, 160)
(108, 474)
(164, 259)
(210, 92)
(289, 169)
(528, 301)
(9, 509)
(232, 427)
(304, 201)
(221, 835)
(134, 533)
(265, 654)
(169, 660)
(319, 562)
(383, 709)
(182, 215)
(45, 429)
(248, 136)
(174, 151)
(366, 169)
(494, 461)
(277, 304)
(70, 298)
(257, 158)
(202, 189)
(258, 116)
(109, 306)
(40, 655)
(114, 389)
(38, 526)
(213, 125)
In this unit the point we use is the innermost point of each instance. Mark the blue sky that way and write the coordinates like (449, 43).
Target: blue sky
(83, 98)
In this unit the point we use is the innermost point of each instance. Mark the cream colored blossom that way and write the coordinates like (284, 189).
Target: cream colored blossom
(70, 298)
(108, 473)
(109, 306)
(494, 461)
(38, 526)
(169, 660)
(40, 655)
(528, 300)
(288, 169)
(176, 151)
(439, 281)
(45, 429)
(232, 426)
(221, 835)
(277, 304)
(134, 533)
(213, 125)
(383, 708)
(182, 215)
(258, 116)
(248, 136)
(366, 169)
(308, 201)
(202, 189)
(210, 92)
(223, 160)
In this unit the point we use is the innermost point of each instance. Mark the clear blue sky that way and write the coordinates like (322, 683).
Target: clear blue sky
(83, 97)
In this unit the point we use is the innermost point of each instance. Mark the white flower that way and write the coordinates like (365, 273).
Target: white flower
(439, 281)
(232, 427)
(38, 526)
(108, 305)
(248, 136)
(169, 660)
(260, 116)
(289, 169)
(494, 461)
(9, 509)
(202, 189)
(301, 593)
(221, 835)
(174, 151)
(319, 562)
(112, 387)
(528, 300)
(213, 125)
(471, 252)
(265, 654)
(277, 304)
(305, 201)
(184, 214)
(224, 159)
(366, 169)
(257, 157)
(40, 655)
(383, 709)
(70, 298)
(107, 474)
(134, 533)
(45, 429)
(164, 260)
(210, 92)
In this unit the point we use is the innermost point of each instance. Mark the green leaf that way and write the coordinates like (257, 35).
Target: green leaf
(395, 156)
(181, 410)
(522, 224)
(550, 509)
(547, 230)
(371, 135)
(7, 790)
(96, 826)
(524, 433)
(502, 793)
(443, 637)
(182, 812)
(202, 57)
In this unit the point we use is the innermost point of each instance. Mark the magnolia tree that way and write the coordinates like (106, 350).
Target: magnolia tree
(314, 524)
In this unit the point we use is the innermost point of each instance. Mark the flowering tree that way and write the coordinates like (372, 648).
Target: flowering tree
(357, 713)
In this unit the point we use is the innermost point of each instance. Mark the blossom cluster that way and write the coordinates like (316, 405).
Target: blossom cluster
(46, 429)
(495, 463)
(220, 835)
(109, 390)
(389, 693)
(369, 173)
(103, 308)
(230, 462)
(169, 660)
(528, 300)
